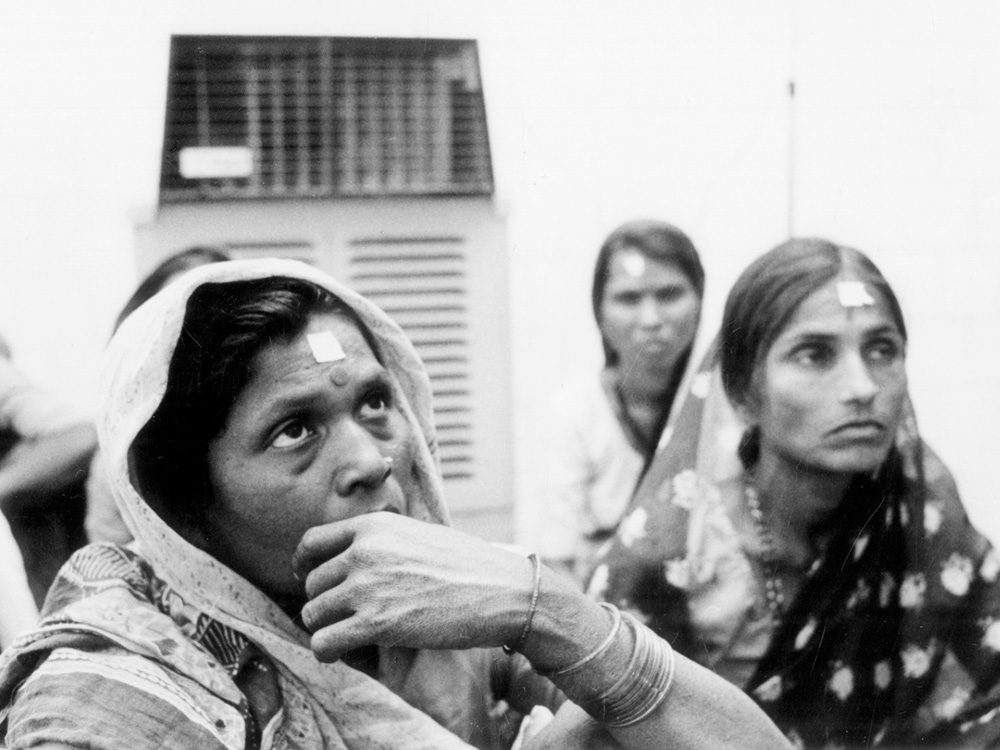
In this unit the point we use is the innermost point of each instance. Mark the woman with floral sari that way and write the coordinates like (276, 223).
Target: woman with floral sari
(293, 581)
(795, 535)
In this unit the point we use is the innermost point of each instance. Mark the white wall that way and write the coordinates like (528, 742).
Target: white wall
(598, 113)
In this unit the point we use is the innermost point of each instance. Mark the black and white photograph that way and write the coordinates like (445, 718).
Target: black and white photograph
(501, 375)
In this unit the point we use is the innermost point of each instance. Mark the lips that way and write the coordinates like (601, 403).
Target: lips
(860, 429)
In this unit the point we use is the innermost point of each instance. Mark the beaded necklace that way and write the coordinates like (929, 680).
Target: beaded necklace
(774, 588)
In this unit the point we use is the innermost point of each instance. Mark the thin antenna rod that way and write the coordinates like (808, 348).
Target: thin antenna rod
(791, 158)
(792, 55)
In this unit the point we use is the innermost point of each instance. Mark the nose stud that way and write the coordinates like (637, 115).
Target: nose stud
(388, 467)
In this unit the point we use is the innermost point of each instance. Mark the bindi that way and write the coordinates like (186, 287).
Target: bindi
(340, 376)
(634, 264)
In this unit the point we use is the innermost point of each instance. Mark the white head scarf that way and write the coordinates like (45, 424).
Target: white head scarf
(347, 708)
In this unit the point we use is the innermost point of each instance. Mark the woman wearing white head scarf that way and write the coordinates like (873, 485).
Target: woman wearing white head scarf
(269, 439)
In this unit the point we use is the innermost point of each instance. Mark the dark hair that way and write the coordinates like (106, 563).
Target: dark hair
(225, 326)
(185, 260)
(656, 240)
(768, 293)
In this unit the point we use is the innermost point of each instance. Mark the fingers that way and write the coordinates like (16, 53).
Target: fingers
(326, 576)
(331, 618)
(321, 543)
(330, 612)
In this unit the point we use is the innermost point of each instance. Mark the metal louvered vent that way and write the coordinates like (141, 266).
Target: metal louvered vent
(421, 283)
(271, 117)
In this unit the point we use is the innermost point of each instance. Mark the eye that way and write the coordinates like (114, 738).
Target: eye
(626, 298)
(813, 355)
(292, 434)
(376, 402)
(669, 294)
(884, 350)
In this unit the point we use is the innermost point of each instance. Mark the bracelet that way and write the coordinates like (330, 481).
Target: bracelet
(531, 610)
(605, 644)
(644, 684)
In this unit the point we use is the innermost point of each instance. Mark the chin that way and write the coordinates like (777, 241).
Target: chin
(859, 460)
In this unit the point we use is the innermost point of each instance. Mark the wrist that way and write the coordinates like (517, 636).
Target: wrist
(566, 625)
(509, 647)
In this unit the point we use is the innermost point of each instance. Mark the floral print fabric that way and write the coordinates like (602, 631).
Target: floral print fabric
(895, 630)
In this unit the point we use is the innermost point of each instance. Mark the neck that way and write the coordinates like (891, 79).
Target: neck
(798, 502)
(640, 387)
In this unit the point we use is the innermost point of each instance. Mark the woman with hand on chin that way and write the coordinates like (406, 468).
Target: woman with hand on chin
(294, 584)
(805, 544)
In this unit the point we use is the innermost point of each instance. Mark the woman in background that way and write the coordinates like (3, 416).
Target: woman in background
(808, 546)
(603, 427)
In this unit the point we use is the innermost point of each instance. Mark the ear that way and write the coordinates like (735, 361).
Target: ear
(748, 405)
(748, 410)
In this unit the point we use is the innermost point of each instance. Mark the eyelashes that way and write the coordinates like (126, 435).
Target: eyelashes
(292, 434)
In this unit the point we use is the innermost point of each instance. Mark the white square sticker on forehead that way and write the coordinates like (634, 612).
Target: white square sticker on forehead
(853, 294)
(634, 264)
(325, 346)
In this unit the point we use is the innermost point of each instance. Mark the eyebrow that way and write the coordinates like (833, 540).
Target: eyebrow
(825, 336)
(308, 396)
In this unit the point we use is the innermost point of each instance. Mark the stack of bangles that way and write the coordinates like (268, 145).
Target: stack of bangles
(644, 684)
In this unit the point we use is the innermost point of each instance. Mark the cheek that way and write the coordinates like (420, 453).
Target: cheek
(405, 468)
(894, 392)
(249, 493)
(685, 315)
(790, 410)
(614, 320)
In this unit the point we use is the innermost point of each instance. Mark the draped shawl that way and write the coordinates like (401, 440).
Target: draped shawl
(327, 705)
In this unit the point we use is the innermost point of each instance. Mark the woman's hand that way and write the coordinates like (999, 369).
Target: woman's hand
(386, 579)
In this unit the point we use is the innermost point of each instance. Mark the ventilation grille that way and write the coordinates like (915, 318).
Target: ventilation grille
(421, 283)
(265, 117)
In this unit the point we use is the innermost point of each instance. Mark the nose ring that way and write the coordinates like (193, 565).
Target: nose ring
(388, 466)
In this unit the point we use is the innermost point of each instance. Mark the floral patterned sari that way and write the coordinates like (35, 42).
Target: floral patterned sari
(895, 632)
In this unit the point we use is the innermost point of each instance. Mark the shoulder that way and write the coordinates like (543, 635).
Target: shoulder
(581, 387)
(111, 699)
(580, 400)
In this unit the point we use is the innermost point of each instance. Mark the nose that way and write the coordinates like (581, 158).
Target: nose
(858, 385)
(360, 462)
(649, 313)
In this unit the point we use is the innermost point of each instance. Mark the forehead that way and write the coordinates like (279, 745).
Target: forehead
(825, 311)
(629, 264)
(328, 340)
